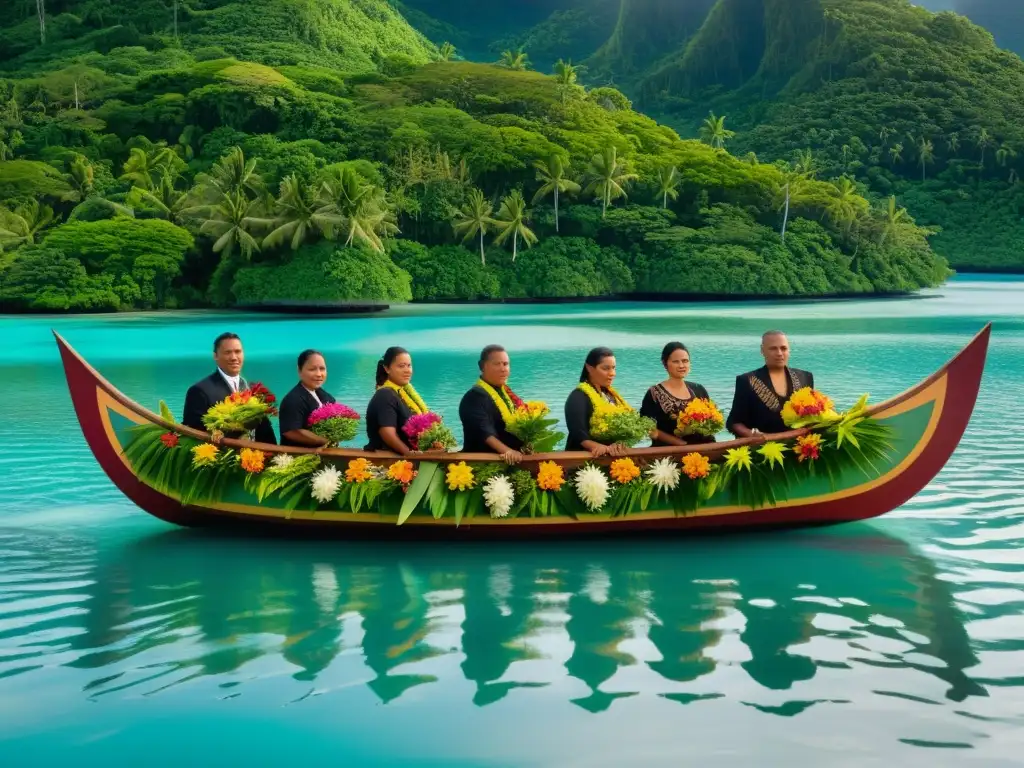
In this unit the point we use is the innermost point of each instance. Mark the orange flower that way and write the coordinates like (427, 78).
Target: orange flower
(252, 461)
(624, 470)
(401, 471)
(806, 403)
(549, 476)
(358, 471)
(808, 447)
(696, 465)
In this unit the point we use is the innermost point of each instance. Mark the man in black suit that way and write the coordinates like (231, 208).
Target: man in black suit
(229, 356)
(760, 395)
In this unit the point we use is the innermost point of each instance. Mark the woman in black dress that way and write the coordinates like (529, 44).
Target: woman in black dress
(595, 383)
(393, 404)
(304, 398)
(664, 401)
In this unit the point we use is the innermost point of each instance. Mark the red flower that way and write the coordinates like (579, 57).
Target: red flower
(517, 403)
(169, 439)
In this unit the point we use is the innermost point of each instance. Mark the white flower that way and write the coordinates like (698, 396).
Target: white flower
(282, 461)
(499, 496)
(592, 487)
(663, 474)
(326, 483)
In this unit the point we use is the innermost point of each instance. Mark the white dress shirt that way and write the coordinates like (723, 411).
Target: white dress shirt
(234, 382)
(313, 393)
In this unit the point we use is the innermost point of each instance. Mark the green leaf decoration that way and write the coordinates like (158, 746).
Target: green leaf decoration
(437, 496)
(165, 413)
(461, 503)
(427, 471)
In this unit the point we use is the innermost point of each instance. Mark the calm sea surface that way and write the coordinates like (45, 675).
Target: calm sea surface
(895, 642)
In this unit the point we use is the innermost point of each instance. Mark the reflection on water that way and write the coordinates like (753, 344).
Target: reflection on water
(171, 607)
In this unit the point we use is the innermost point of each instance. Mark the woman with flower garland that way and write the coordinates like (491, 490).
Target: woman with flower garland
(664, 402)
(486, 407)
(393, 404)
(304, 398)
(593, 395)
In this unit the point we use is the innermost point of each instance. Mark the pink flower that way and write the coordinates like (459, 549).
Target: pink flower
(420, 423)
(332, 411)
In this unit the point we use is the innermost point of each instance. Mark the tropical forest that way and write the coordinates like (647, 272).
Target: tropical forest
(163, 154)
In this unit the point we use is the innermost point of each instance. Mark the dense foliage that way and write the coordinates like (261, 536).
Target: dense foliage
(225, 168)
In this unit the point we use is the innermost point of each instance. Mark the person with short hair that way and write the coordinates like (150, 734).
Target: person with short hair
(760, 395)
(484, 407)
(229, 356)
(304, 398)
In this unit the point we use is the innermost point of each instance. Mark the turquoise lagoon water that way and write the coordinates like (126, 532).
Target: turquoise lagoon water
(126, 642)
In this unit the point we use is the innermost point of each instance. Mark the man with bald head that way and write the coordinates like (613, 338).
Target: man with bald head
(760, 395)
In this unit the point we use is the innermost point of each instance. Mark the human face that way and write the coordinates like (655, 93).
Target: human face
(775, 350)
(603, 374)
(678, 364)
(496, 369)
(229, 356)
(400, 370)
(313, 373)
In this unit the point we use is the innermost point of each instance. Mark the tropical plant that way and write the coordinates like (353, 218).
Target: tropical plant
(474, 220)
(516, 60)
(668, 184)
(552, 175)
(511, 222)
(608, 178)
(713, 131)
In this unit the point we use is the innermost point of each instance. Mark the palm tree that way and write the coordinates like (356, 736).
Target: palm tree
(608, 178)
(565, 72)
(165, 198)
(23, 224)
(446, 51)
(231, 221)
(896, 153)
(1003, 154)
(359, 210)
(953, 143)
(297, 215)
(552, 174)
(983, 142)
(713, 131)
(891, 220)
(143, 168)
(925, 154)
(668, 184)
(474, 219)
(232, 174)
(82, 174)
(846, 205)
(884, 133)
(806, 164)
(511, 221)
(514, 60)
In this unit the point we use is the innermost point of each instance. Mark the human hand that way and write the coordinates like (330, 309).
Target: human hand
(599, 450)
(617, 449)
(216, 437)
(512, 457)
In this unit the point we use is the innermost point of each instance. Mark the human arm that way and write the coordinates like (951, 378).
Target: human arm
(478, 420)
(577, 418)
(196, 406)
(740, 413)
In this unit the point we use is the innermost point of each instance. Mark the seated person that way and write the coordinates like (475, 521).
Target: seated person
(484, 407)
(663, 402)
(304, 398)
(393, 404)
(201, 396)
(761, 395)
(595, 385)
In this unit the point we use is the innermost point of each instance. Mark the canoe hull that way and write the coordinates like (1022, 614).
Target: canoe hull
(936, 413)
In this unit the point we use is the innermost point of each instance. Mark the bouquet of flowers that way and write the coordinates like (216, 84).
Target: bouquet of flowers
(620, 424)
(700, 417)
(241, 411)
(335, 422)
(426, 429)
(530, 423)
(808, 407)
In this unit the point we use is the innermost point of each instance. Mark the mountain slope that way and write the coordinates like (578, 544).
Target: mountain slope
(349, 35)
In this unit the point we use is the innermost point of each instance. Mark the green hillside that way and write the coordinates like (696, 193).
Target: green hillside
(234, 164)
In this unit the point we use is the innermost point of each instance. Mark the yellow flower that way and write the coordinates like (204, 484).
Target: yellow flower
(204, 454)
(624, 470)
(807, 403)
(549, 476)
(460, 477)
(772, 452)
(358, 471)
(252, 460)
(808, 447)
(696, 465)
(402, 472)
(739, 458)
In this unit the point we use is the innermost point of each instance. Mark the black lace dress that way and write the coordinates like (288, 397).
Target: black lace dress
(664, 407)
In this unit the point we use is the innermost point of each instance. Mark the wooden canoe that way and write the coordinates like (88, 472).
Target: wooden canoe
(928, 421)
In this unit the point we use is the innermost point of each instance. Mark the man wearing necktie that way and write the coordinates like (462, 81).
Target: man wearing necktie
(229, 356)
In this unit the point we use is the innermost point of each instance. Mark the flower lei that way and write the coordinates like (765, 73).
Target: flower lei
(506, 400)
(409, 396)
(599, 402)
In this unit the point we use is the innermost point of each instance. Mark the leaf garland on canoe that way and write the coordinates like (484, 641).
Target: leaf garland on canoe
(757, 476)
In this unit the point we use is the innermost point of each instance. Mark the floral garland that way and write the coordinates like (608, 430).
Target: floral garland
(409, 396)
(601, 403)
(505, 399)
(618, 422)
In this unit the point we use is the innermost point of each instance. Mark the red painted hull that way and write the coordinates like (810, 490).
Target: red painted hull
(958, 382)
